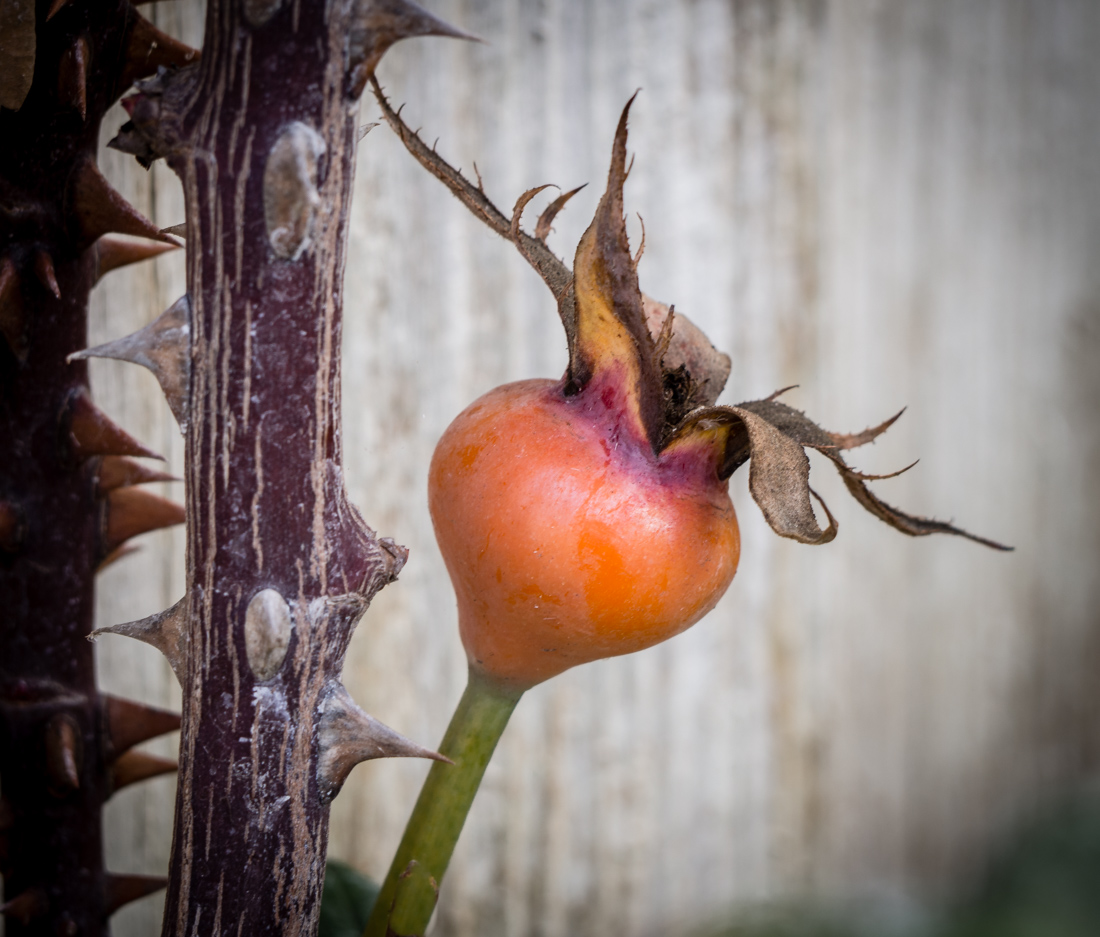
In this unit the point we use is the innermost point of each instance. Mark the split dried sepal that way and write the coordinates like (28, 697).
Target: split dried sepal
(675, 373)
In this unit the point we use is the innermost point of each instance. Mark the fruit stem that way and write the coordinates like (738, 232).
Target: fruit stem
(408, 895)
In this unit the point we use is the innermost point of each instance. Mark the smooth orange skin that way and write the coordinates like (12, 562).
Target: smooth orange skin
(566, 539)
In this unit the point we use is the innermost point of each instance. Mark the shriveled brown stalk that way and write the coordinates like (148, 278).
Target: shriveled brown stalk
(693, 373)
(70, 492)
(280, 565)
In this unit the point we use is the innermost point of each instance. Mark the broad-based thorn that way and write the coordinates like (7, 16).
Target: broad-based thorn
(13, 526)
(115, 471)
(133, 511)
(113, 252)
(98, 209)
(64, 754)
(91, 432)
(136, 765)
(12, 324)
(55, 7)
(44, 270)
(27, 907)
(147, 48)
(115, 555)
(122, 889)
(130, 723)
(72, 77)
(164, 347)
(166, 631)
(347, 736)
(378, 24)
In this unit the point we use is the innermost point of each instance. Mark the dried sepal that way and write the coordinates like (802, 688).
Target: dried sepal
(772, 437)
(378, 24)
(688, 342)
(166, 631)
(551, 211)
(136, 765)
(347, 736)
(123, 889)
(691, 366)
(130, 723)
(611, 333)
(554, 272)
(164, 347)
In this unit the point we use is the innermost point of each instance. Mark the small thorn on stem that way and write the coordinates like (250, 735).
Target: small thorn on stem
(26, 907)
(44, 270)
(64, 755)
(123, 889)
(136, 765)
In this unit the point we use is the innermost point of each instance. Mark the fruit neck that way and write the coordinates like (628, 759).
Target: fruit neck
(408, 896)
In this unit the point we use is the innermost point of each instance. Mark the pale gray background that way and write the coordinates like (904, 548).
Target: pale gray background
(889, 203)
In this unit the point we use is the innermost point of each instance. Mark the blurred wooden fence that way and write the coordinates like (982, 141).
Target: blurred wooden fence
(888, 203)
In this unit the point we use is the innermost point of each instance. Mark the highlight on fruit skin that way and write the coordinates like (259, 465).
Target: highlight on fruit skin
(589, 517)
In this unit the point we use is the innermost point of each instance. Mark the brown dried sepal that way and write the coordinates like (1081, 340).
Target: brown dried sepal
(773, 438)
(691, 371)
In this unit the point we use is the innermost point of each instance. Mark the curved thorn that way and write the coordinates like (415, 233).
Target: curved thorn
(347, 736)
(113, 252)
(12, 325)
(91, 432)
(133, 511)
(98, 209)
(44, 270)
(147, 48)
(133, 766)
(164, 347)
(72, 77)
(116, 471)
(130, 723)
(165, 631)
(64, 754)
(27, 906)
(122, 889)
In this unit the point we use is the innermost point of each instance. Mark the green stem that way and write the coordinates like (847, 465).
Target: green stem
(408, 896)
